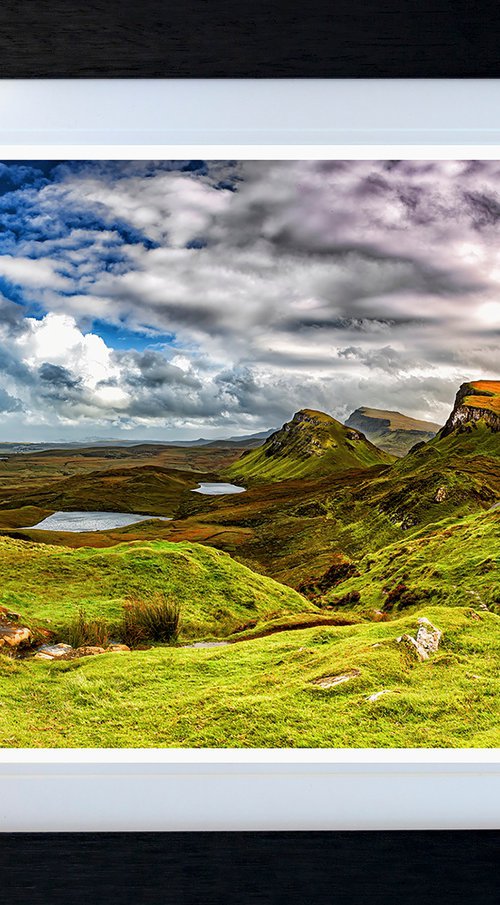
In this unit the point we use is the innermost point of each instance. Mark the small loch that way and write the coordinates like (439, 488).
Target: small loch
(92, 521)
(217, 488)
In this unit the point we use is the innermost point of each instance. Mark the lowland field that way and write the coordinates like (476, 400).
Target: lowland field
(294, 606)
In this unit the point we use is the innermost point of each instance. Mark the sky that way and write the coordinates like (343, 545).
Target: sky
(179, 299)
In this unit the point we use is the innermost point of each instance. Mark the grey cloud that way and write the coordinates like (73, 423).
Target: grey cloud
(9, 403)
(320, 283)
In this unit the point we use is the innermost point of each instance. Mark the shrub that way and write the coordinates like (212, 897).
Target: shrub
(157, 619)
(349, 599)
(402, 596)
(83, 632)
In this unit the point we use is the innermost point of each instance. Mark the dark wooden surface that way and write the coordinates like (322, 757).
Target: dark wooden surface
(249, 38)
(385, 868)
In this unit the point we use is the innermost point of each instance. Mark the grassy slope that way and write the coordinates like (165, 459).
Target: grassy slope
(465, 464)
(217, 595)
(398, 442)
(487, 397)
(260, 693)
(454, 562)
(311, 445)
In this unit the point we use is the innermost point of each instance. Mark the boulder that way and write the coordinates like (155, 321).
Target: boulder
(428, 636)
(13, 635)
(413, 648)
(426, 642)
(118, 648)
(53, 651)
(88, 651)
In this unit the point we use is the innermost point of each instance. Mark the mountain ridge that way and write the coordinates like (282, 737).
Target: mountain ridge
(391, 431)
(310, 444)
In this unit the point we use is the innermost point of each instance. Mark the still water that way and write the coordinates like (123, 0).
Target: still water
(92, 521)
(218, 488)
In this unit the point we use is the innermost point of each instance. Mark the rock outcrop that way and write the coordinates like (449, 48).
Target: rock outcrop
(426, 642)
(12, 635)
(475, 401)
(67, 652)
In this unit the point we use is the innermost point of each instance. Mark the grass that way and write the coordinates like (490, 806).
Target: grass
(157, 619)
(312, 444)
(487, 395)
(83, 631)
(455, 563)
(216, 594)
(261, 693)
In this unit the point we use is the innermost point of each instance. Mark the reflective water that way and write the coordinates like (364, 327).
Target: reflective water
(92, 521)
(219, 487)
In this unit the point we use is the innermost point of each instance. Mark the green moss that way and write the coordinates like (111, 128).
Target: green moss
(452, 563)
(262, 693)
(216, 594)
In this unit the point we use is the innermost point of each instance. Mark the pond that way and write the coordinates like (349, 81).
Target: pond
(218, 488)
(92, 521)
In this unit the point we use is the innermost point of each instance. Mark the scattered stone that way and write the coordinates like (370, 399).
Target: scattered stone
(53, 651)
(87, 651)
(8, 615)
(13, 635)
(426, 642)
(378, 694)
(440, 495)
(330, 681)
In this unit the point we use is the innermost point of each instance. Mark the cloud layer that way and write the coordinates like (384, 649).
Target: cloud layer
(188, 298)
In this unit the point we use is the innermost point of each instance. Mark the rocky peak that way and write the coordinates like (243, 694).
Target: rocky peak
(475, 401)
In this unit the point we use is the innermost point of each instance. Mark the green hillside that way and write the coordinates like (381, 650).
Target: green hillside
(268, 692)
(216, 594)
(454, 563)
(310, 445)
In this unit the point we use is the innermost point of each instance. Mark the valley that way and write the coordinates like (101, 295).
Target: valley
(310, 551)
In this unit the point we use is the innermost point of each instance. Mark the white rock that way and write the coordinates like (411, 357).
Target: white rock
(53, 651)
(378, 694)
(330, 681)
(428, 636)
(426, 642)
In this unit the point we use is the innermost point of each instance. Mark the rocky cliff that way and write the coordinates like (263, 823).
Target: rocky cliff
(478, 401)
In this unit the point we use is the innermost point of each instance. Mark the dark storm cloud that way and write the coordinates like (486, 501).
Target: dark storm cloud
(153, 371)
(270, 285)
(57, 377)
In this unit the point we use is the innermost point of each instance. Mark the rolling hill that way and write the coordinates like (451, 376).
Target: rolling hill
(216, 594)
(310, 445)
(393, 432)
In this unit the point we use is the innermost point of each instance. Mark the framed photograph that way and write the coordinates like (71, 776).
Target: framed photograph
(250, 460)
